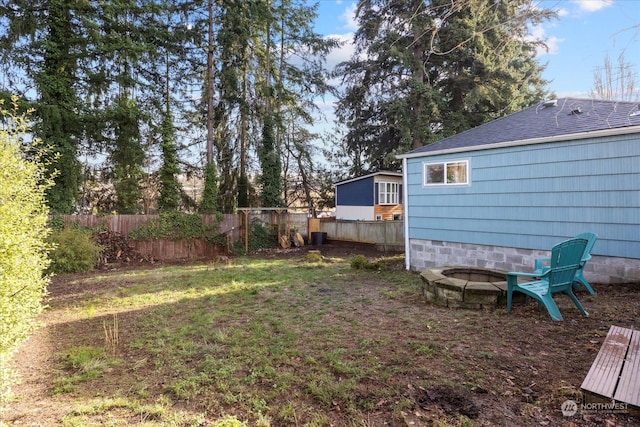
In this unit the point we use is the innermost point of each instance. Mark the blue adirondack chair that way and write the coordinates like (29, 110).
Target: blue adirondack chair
(557, 278)
(541, 264)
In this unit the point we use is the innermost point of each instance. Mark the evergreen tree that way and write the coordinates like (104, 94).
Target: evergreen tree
(426, 69)
(236, 19)
(209, 202)
(133, 43)
(176, 32)
(492, 70)
(271, 176)
(105, 72)
(243, 191)
(169, 197)
(89, 61)
(126, 154)
(253, 82)
(43, 39)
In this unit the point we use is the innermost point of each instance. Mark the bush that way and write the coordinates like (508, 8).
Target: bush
(360, 262)
(314, 257)
(174, 226)
(23, 250)
(261, 236)
(73, 251)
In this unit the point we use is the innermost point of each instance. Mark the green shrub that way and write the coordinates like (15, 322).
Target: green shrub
(23, 250)
(360, 262)
(73, 251)
(56, 222)
(173, 226)
(261, 236)
(314, 257)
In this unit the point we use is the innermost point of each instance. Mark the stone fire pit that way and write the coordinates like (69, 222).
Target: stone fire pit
(465, 287)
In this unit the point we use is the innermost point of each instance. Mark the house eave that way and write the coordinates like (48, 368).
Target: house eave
(559, 138)
(346, 181)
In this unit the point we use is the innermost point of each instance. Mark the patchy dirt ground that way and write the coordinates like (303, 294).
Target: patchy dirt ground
(529, 365)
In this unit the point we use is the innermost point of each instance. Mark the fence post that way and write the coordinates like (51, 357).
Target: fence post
(386, 239)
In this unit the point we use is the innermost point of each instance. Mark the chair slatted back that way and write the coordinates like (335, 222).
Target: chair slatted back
(565, 261)
(591, 241)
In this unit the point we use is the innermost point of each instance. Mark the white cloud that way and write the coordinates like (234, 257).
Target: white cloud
(553, 45)
(349, 17)
(562, 12)
(592, 5)
(342, 53)
(552, 42)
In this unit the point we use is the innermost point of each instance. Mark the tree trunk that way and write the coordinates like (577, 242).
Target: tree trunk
(210, 93)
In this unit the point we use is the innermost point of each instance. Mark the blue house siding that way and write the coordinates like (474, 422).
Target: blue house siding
(355, 193)
(533, 196)
(359, 199)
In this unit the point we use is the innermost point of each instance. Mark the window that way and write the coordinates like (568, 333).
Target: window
(447, 173)
(388, 193)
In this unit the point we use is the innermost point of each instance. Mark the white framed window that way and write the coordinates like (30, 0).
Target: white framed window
(446, 173)
(388, 193)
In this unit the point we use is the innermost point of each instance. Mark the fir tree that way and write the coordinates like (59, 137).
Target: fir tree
(44, 42)
(126, 154)
(271, 178)
(424, 70)
(169, 197)
(209, 202)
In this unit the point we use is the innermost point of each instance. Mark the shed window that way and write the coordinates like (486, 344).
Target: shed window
(388, 193)
(446, 173)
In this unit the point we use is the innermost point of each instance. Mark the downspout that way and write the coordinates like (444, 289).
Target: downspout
(407, 252)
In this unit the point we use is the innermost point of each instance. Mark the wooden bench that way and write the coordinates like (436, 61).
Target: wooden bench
(615, 373)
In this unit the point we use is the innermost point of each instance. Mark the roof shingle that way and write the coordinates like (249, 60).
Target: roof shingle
(567, 116)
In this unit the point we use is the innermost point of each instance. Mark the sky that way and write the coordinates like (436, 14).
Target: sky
(585, 32)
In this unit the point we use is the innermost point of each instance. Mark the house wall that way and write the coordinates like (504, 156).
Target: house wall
(523, 200)
(355, 213)
(355, 193)
(354, 200)
(387, 211)
(358, 199)
(429, 253)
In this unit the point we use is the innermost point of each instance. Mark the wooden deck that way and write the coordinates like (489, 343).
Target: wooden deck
(615, 373)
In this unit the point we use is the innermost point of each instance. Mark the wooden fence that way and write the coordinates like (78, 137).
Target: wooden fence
(125, 224)
(161, 249)
(170, 250)
(382, 233)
